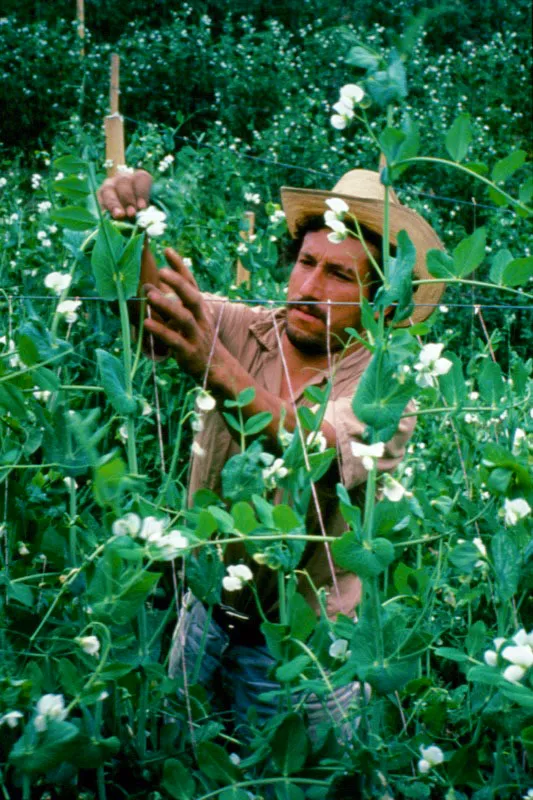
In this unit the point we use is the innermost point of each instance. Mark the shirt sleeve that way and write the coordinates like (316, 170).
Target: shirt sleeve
(349, 429)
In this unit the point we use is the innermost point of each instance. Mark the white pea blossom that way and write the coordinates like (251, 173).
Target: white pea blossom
(528, 795)
(68, 310)
(432, 756)
(89, 645)
(316, 441)
(123, 432)
(49, 707)
(351, 93)
(522, 655)
(368, 453)
(165, 162)
(490, 657)
(152, 529)
(58, 282)
(242, 248)
(332, 221)
(515, 510)
(171, 544)
(237, 576)
(473, 396)
(482, 550)
(205, 401)
(152, 220)
(128, 525)
(12, 356)
(11, 719)
(337, 205)
(277, 216)
(522, 638)
(36, 180)
(431, 365)
(519, 437)
(338, 121)
(197, 449)
(23, 549)
(393, 489)
(44, 206)
(197, 423)
(339, 649)
(3, 182)
(276, 471)
(514, 673)
(252, 197)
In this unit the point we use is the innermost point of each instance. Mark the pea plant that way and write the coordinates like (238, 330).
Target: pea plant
(97, 534)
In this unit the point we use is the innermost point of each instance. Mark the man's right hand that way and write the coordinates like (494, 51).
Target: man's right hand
(125, 194)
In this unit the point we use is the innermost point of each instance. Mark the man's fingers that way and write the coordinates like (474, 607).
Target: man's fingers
(109, 201)
(173, 339)
(177, 263)
(189, 294)
(124, 195)
(142, 184)
(170, 307)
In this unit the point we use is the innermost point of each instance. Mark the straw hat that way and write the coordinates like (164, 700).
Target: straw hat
(364, 193)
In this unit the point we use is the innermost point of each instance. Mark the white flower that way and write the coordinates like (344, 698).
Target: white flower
(152, 529)
(430, 365)
(237, 576)
(523, 638)
(339, 649)
(125, 170)
(165, 163)
(3, 182)
(480, 546)
(431, 757)
(498, 642)
(235, 759)
(337, 205)
(242, 248)
(473, 396)
(316, 441)
(332, 221)
(197, 449)
(58, 282)
(514, 673)
(205, 401)
(11, 719)
(152, 220)
(67, 309)
(275, 472)
(12, 356)
(515, 510)
(519, 437)
(197, 423)
(128, 525)
(23, 549)
(171, 544)
(123, 432)
(187, 262)
(89, 645)
(345, 110)
(352, 92)
(443, 309)
(70, 483)
(528, 795)
(146, 408)
(251, 197)
(36, 180)
(522, 655)
(338, 122)
(336, 237)
(49, 707)
(393, 489)
(490, 657)
(368, 453)
(277, 216)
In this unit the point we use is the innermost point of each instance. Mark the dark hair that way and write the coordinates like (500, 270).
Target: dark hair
(316, 223)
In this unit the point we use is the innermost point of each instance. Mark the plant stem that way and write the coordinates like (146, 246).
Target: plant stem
(126, 342)
(143, 694)
(73, 530)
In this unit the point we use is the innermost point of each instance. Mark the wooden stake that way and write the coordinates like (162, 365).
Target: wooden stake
(243, 276)
(114, 123)
(80, 14)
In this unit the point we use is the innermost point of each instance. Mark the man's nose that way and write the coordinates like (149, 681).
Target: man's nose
(314, 284)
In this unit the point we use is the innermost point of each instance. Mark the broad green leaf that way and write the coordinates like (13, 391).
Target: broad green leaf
(257, 423)
(440, 264)
(499, 262)
(506, 560)
(307, 418)
(75, 218)
(21, 593)
(177, 780)
(365, 57)
(464, 556)
(390, 676)
(380, 399)
(469, 253)
(292, 669)
(204, 575)
(109, 480)
(391, 141)
(400, 289)
(129, 265)
(12, 401)
(522, 695)
(105, 258)
(243, 398)
(59, 740)
(206, 524)
(285, 520)
(275, 634)
(317, 395)
(452, 384)
(70, 164)
(290, 791)
(490, 382)
(525, 192)
(241, 478)
(452, 654)
(70, 677)
(518, 271)
(365, 559)
(91, 753)
(459, 137)
(302, 619)
(485, 675)
(290, 745)
(215, 763)
(505, 167)
(73, 187)
(114, 382)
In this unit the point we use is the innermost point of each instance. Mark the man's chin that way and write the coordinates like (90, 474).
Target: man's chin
(306, 343)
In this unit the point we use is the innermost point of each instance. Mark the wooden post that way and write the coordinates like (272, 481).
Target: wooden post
(114, 123)
(80, 14)
(243, 276)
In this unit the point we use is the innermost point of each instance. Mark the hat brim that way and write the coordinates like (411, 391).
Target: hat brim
(301, 204)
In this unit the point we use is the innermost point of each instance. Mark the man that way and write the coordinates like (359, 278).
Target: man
(229, 347)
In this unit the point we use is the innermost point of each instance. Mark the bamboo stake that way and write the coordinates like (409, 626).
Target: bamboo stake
(80, 14)
(114, 123)
(243, 276)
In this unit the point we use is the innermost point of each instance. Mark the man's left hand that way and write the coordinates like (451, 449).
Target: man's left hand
(187, 326)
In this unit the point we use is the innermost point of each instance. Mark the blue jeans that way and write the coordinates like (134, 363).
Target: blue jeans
(236, 675)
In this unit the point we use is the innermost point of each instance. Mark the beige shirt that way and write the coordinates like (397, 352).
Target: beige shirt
(250, 335)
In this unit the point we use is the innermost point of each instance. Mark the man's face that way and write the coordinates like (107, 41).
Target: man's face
(325, 271)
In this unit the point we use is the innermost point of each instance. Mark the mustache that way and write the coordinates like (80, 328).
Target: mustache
(313, 310)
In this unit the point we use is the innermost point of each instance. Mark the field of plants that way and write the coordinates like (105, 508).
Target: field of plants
(223, 104)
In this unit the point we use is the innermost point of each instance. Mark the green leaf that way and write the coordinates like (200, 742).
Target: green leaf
(490, 382)
(505, 167)
(302, 619)
(290, 791)
(204, 575)
(58, 741)
(21, 593)
(69, 675)
(73, 187)
(109, 480)
(518, 271)
(499, 262)
(129, 265)
(400, 289)
(464, 556)
(244, 518)
(452, 384)
(440, 264)
(114, 382)
(365, 559)
(380, 399)
(257, 423)
(70, 164)
(105, 259)
(275, 634)
(391, 141)
(177, 780)
(469, 253)
(365, 57)
(75, 218)
(215, 763)
(292, 669)
(285, 519)
(506, 560)
(525, 192)
(452, 654)
(290, 745)
(459, 137)
(243, 398)
(519, 694)
(12, 400)
(241, 478)
(206, 524)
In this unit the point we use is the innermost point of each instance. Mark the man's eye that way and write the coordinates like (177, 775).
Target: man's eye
(307, 262)
(342, 275)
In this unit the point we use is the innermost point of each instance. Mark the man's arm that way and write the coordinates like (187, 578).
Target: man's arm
(186, 326)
